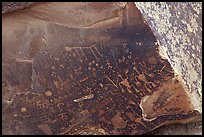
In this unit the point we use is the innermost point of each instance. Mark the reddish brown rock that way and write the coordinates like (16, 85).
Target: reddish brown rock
(76, 68)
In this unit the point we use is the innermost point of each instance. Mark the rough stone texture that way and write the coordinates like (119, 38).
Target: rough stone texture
(178, 27)
(170, 52)
(179, 129)
(12, 6)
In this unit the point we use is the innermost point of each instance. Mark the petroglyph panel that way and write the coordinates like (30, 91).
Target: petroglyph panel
(86, 83)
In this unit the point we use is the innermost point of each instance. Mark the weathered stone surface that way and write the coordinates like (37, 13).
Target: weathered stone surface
(13, 6)
(180, 35)
(87, 68)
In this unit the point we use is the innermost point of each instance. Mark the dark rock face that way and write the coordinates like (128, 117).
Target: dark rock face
(103, 78)
(12, 6)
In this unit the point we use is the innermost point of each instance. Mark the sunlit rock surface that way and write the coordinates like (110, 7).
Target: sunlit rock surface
(178, 27)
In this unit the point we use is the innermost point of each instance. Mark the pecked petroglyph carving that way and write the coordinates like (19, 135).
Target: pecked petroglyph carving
(110, 78)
